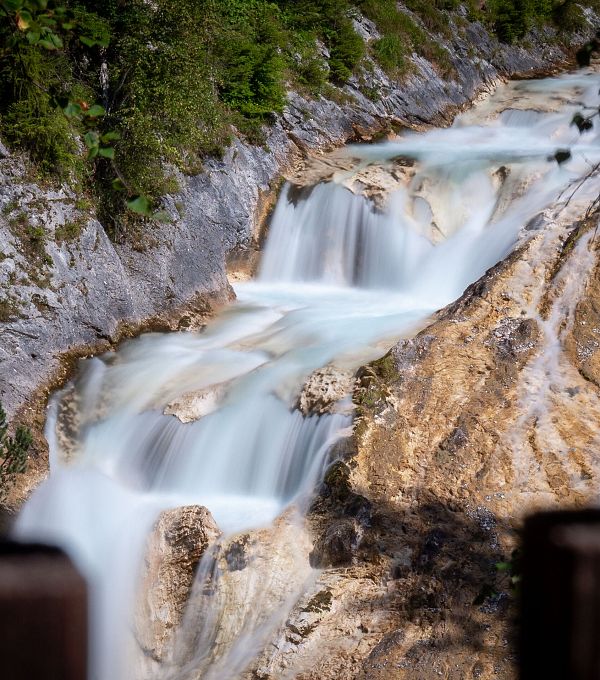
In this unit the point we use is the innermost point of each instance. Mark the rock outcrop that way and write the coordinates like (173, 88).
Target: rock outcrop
(175, 547)
(241, 598)
(487, 414)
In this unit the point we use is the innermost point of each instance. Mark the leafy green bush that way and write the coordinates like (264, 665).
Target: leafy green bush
(347, 49)
(31, 81)
(570, 17)
(329, 21)
(513, 19)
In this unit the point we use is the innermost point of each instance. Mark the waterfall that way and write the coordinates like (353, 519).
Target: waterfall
(340, 280)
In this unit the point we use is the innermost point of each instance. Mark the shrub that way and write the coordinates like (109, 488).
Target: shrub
(401, 35)
(391, 53)
(13, 453)
(513, 19)
(347, 49)
(30, 84)
(570, 17)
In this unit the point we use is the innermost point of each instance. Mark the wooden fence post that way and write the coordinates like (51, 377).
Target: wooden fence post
(560, 603)
(43, 615)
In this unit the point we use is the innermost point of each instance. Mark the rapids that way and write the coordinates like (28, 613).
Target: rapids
(339, 282)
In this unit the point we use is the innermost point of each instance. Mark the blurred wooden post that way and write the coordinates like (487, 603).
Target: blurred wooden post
(43, 615)
(560, 613)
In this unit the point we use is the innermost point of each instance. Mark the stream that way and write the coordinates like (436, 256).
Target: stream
(339, 282)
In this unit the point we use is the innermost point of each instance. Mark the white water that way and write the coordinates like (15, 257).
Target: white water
(338, 283)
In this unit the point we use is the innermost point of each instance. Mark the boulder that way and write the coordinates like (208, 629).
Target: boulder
(192, 406)
(324, 391)
(175, 547)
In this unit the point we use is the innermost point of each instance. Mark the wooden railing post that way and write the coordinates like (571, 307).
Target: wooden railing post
(43, 615)
(560, 603)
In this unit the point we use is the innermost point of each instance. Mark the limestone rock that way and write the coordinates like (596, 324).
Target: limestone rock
(179, 539)
(324, 390)
(195, 405)
(248, 590)
(337, 545)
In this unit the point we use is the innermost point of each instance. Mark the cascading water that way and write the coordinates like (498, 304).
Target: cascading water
(339, 281)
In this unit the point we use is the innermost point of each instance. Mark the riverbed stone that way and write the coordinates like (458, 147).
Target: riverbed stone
(324, 391)
(180, 538)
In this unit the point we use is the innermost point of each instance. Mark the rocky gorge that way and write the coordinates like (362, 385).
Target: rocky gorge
(460, 429)
(70, 290)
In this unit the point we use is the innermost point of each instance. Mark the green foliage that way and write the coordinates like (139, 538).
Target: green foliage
(30, 80)
(13, 453)
(401, 35)
(513, 19)
(120, 97)
(329, 21)
(147, 85)
(347, 49)
(249, 61)
(391, 53)
(570, 17)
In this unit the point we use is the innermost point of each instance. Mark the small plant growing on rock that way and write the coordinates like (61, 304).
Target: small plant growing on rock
(13, 453)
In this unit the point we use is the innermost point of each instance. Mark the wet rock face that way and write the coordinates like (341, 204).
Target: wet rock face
(246, 593)
(195, 405)
(179, 539)
(337, 545)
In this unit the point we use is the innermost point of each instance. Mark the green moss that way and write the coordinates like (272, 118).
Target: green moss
(29, 115)
(84, 204)
(10, 207)
(31, 242)
(321, 602)
(336, 94)
(386, 368)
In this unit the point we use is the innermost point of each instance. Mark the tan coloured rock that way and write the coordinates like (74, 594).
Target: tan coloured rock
(377, 182)
(487, 414)
(180, 538)
(192, 406)
(324, 390)
(241, 598)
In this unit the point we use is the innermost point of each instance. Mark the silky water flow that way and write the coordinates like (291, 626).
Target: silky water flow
(339, 281)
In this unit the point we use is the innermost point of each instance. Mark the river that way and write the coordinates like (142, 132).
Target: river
(339, 281)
